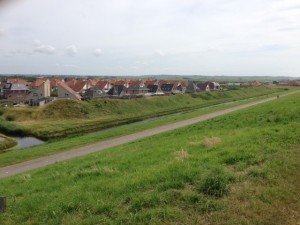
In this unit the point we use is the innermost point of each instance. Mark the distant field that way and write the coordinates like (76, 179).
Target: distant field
(64, 117)
(242, 168)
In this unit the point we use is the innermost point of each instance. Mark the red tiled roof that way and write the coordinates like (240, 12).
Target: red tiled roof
(101, 84)
(77, 85)
(38, 82)
(92, 82)
(174, 82)
(119, 82)
(54, 82)
(17, 81)
(150, 82)
(71, 82)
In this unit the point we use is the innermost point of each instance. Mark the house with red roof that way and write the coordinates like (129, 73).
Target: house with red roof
(79, 86)
(65, 92)
(36, 83)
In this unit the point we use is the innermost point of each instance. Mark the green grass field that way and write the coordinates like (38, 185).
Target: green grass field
(65, 118)
(242, 168)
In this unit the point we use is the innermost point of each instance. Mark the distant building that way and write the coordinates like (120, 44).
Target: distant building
(15, 92)
(203, 86)
(255, 83)
(40, 95)
(65, 92)
(94, 92)
(117, 90)
(191, 87)
(136, 90)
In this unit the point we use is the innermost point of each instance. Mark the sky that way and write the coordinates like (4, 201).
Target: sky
(134, 37)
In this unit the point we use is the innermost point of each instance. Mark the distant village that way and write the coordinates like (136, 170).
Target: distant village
(42, 90)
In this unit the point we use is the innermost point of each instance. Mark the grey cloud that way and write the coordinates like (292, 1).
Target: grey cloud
(71, 50)
(2, 32)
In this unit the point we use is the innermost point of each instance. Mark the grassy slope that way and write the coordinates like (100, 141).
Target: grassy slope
(63, 118)
(16, 156)
(240, 168)
(6, 143)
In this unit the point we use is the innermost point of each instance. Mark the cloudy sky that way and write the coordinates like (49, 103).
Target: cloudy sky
(133, 37)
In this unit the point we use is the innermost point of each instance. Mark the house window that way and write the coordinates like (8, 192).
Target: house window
(66, 95)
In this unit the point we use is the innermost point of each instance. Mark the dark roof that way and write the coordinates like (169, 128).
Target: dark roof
(202, 86)
(15, 87)
(167, 87)
(191, 87)
(116, 90)
(137, 88)
(152, 88)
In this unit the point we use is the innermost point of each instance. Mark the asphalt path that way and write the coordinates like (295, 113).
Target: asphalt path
(103, 145)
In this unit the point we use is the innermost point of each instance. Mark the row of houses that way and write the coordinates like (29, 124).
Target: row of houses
(42, 90)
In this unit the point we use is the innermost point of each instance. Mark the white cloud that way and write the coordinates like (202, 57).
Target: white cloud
(98, 52)
(71, 50)
(44, 49)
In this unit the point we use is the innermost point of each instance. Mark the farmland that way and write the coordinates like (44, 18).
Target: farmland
(239, 168)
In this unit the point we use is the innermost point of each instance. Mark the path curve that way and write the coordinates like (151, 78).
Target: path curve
(103, 145)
